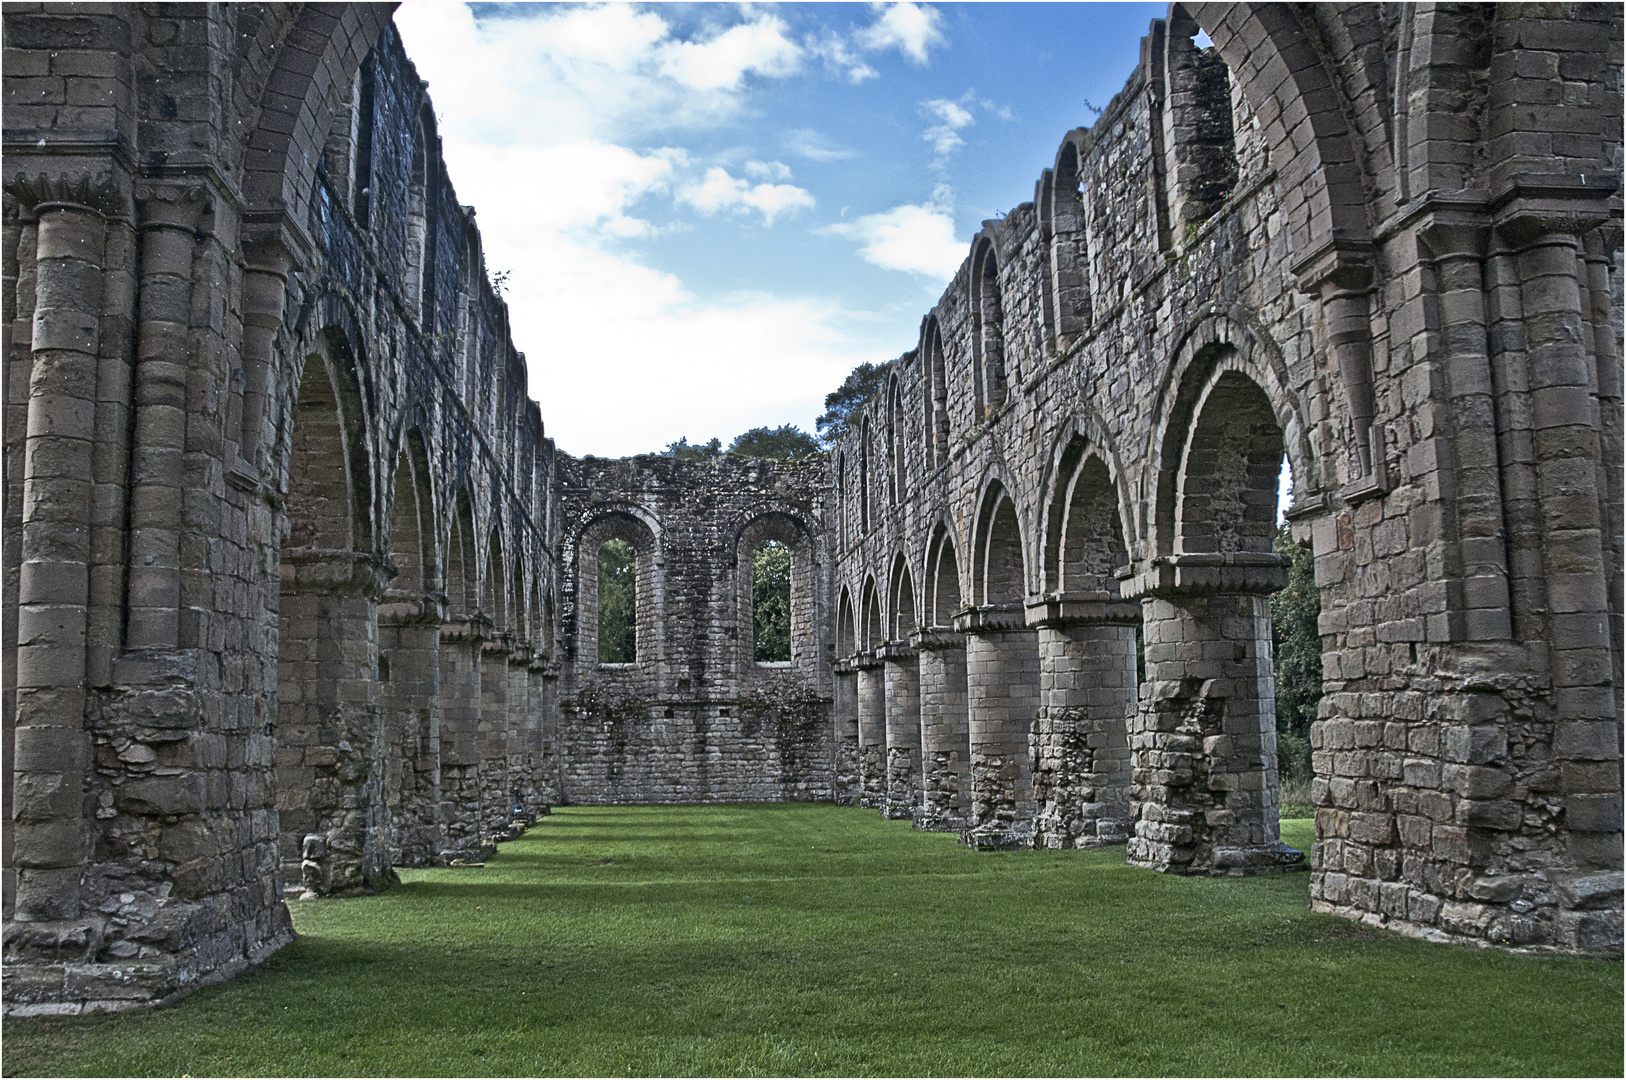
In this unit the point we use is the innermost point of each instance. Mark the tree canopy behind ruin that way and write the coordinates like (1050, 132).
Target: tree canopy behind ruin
(839, 405)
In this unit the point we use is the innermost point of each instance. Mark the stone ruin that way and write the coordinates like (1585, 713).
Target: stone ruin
(298, 591)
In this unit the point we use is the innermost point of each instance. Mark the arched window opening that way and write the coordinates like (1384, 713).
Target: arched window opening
(495, 605)
(846, 632)
(989, 330)
(904, 622)
(894, 444)
(1199, 139)
(406, 547)
(871, 629)
(1002, 566)
(319, 510)
(1069, 249)
(417, 248)
(1087, 543)
(617, 602)
(935, 415)
(460, 572)
(841, 499)
(864, 458)
(770, 602)
(945, 581)
(1230, 472)
(362, 181)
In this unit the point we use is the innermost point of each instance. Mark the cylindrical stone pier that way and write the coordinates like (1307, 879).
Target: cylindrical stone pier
(1087, 691)
(521, 723)
(1204, 743)
(902, 690)
(1002, 705)
(409, 692)
(945, 733)
(871, 730)
(496, 795)
(849, 784)
(459, 748)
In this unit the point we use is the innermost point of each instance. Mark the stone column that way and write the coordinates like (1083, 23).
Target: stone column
(330, 727)
(51, 837)
(552, 746)
(871, 730)
(945, 733)
(537, 692)
(460, 693)
(849, 784)
(901, 681)
(521, 725)
(409, 692)
(496, 795)
(1087, 691)
(1204, 742)
(1002, 706)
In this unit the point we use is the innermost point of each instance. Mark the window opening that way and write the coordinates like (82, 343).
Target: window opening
(770, 602)
(617, 603)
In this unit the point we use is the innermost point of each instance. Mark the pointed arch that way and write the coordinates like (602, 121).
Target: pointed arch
(904, 618)
(987, 327)
(872, 629)
(412, 518)
(895, 465)
(846, 630)
(328, 484)
(494, 596)
(1069, 270)
(1000, 570)
(460, 561)
(943, 573)
(935, 425)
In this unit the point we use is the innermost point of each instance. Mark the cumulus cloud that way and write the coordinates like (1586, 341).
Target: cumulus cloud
(718, 191)
(917, 238)
(944, 135)
(538, 117)
(910, 28)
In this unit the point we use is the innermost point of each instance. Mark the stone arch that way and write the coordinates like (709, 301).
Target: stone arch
(1269, 51)
(846, 629)
(871, 627)
(412, 519)
(896, 468)
(987, 326)
(999, 572)
(629, 524)
(943, 573)
(935, 415)
(1218, 339)
(494, 591)
(903, 619)
(1068, 311)
(1084, 434)
(320, 53)
(327, 478)
(422, 198)
(461, 572)
(1084, 542)
(793, 533)
(866, 457)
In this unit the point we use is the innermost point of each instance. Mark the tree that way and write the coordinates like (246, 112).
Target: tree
(784, 442)
(683, 450)
(1294, 612)
(840, 404)
(617, 603)
(770, 602)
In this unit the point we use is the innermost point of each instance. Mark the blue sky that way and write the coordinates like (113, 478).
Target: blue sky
(709, 213)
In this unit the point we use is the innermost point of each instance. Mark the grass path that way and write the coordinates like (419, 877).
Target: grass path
(794, 939)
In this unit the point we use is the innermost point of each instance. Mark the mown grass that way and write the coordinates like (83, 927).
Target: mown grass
(815, 939)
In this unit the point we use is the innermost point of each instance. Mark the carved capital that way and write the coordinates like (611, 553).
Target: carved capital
(100, 194)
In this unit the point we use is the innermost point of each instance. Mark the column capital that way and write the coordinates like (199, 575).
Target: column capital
(896, 652)
(329, 570)
(1082, 608)
(991, 619)
(1172, 577)
(1531, 208)
(936, 639)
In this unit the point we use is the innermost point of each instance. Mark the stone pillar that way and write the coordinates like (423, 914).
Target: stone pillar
(537, 738)
(330, 727)
(1087, 691)
(849, 784)
(460, 693)
(496, 795)
(945, 734)
(51, 837)
(552, 746)
(1002, 706)
(871, 730)
(902, 693)
(409, 692)
(521, 725)
(1204, 742)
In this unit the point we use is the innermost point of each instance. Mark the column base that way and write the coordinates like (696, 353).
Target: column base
(997, 836)
(1248, 861)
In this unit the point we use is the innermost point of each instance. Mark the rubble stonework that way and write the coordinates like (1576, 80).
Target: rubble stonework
(297, 590)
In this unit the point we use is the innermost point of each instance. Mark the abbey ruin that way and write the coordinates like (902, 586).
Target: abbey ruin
(297, 589)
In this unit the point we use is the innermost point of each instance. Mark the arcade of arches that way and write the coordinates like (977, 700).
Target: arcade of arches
(297, 590)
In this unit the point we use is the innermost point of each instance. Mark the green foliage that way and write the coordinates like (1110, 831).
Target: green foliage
(683, 450)
(617, 603)
(770, 602)
(841, 403)
(811, 939)
(1293, 614)
(785, 442)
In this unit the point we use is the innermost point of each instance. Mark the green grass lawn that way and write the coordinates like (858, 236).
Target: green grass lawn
(790, 939)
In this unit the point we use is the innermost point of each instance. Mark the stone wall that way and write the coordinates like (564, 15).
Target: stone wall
(296, 589)
(696, 718)
(1275, 252)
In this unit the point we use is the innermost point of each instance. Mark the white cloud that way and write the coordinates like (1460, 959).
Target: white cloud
(535, 114)
(719, 191)
(767, 170)
(807, 143)
(945, 134)
(722, 63)
(912, 28)
(917, 238)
